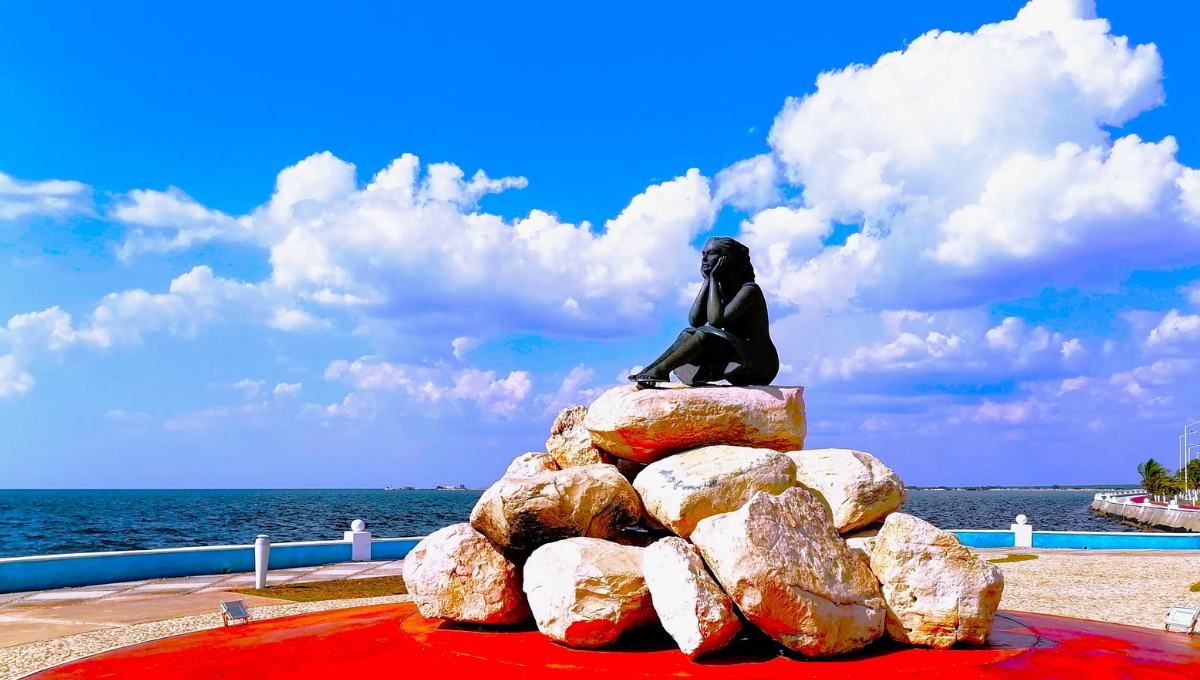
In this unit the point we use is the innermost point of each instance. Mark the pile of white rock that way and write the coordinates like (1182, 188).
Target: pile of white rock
(699, 509)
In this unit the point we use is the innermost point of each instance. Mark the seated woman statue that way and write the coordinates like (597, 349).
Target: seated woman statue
(730, 334)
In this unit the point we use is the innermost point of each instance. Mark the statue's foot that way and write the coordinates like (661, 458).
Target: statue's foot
(646, 379)
(650, 378)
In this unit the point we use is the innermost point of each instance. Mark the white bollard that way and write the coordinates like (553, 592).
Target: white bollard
(360, 541)
(262, 555)
(1022, 533)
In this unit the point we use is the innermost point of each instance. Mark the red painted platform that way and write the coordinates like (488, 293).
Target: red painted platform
(1142, 500)
(394, 641)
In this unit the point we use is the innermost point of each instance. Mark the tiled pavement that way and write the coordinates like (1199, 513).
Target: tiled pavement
(42, 615)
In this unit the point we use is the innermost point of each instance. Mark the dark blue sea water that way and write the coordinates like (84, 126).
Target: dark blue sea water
(49, 522)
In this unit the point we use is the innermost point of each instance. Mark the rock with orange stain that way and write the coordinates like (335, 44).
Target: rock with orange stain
(526, 512)
(586, 592)
(784, 564)
(646, 425)
(938, 592)
(456, 573)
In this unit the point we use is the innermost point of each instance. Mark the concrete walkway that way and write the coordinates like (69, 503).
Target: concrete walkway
(49, 614)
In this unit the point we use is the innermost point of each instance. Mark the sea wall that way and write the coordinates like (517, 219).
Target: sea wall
(1155, 516)
(44, 572)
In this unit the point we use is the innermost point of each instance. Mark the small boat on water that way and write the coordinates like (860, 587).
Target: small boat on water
(460, 487)
(403, 488)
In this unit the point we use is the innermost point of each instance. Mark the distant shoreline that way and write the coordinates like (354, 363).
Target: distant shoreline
(1053, 487)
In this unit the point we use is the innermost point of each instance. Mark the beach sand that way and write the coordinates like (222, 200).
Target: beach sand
(1135, 588)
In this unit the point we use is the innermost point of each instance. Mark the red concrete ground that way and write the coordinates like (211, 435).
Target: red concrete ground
(393, 641)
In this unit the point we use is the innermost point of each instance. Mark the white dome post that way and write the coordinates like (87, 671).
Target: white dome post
(1022, 532)
(360, 541)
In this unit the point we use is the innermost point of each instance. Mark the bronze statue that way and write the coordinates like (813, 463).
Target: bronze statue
(730, 335)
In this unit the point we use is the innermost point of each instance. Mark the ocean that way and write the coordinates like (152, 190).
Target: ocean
(54, 522)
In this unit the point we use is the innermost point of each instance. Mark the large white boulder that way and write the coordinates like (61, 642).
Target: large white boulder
(525, 512)
(792, 575)
(570, 443)
(690, 604)
(937, 591)
(456, 573)
(586, 592)
(532, 463)
(859, 488)
(683, 489)
(648, 424)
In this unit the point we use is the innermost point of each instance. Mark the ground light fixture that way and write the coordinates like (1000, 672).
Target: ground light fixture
(234, 610)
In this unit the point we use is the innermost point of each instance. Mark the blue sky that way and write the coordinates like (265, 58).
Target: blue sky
(247, 246)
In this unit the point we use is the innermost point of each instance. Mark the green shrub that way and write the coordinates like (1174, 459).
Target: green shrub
(345, 589)
(1013, 558)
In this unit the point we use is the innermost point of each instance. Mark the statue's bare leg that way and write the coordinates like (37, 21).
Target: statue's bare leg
(652, 370)
(685, 350)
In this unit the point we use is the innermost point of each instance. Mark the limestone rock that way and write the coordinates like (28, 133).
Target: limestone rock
(683, 489)
(937, 591)
(648, 424)
(532, 463)
(690, 604)
(456, 573)
(525, 512)
(859, 488)
(585, 592)
(862, 540)
(570, 443)
(783, 563)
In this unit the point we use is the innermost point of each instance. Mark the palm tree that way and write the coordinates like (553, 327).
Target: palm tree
(1193, 476)
(1155, 478)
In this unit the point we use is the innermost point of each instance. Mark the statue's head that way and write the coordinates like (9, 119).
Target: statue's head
(737, 258)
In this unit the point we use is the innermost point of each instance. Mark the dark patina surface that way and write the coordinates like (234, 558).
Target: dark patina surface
(730, 333)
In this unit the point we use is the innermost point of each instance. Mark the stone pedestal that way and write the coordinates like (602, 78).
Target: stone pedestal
(646, 425)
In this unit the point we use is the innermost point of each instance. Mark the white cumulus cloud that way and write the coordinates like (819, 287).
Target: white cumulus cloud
(499, 396)
(413, 244)
(47, 198)
(1173, 329)
(970, 160)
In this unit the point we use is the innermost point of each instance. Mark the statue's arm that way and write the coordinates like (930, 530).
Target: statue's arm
(742, 302)
(714, 307)
(696, 317)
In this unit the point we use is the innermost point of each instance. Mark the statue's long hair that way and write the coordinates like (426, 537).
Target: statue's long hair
(737, 258)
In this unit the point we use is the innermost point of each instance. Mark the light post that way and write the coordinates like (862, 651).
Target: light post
(1180, 457)
(1187, 451)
